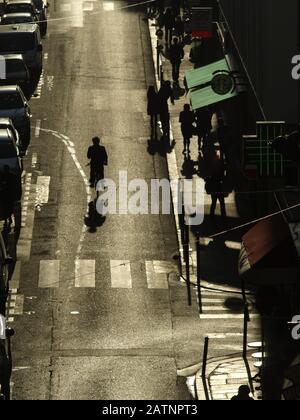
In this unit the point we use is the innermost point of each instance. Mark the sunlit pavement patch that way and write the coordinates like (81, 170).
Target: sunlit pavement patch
(108, 6)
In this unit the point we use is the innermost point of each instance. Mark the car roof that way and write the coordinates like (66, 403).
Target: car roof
(5, 121)
(13, 57)
(24, 14)
(18, 27)
(5, 133)
(9, 89)
(19, 1)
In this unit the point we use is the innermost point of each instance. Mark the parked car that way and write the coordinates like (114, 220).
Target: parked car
(17, 72)
(14, 105)
(15, 18)
(5, 360)
(5, 265)
(29, 6)
(23, 39)
(9, 152)
(20, 6)
(42, 7)
(7, 124)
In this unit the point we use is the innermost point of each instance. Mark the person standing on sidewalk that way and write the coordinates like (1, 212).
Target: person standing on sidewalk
(187, 119)
(165, 93)
(215, 188)
(176, 54)
(204, 126)
(153, 110)
(169, 23)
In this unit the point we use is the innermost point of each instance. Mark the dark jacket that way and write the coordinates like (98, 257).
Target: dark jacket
(176, 53)
(97, 154)
(165, 93)
(153, 103)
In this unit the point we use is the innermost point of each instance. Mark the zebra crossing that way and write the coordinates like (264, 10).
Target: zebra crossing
(224, 305)
(121, 274)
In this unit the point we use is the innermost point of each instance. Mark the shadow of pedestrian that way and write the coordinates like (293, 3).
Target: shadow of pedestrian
(162, 146)
(188, 168)
(94, 220)
(178, 91)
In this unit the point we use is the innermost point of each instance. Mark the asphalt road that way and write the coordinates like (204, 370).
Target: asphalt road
(105, 341)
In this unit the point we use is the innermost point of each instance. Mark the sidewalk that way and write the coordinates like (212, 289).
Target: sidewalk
(224, 379)
(219, 261)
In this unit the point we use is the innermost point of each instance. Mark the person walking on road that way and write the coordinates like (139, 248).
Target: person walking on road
(187, 119)
(168, 22)
(98, 159)
(165, 93)
(176, 54)
(153, 110)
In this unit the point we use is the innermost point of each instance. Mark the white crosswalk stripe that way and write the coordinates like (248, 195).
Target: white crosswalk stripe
(156, 274)
(49, 273)
(120, 274)
(156, 278)
(216, 305)
(85, 273)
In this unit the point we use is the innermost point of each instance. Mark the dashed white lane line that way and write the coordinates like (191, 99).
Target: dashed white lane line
(120, 274)
(37, 128)
(85, 273)
(34, 160)
(155, 280)
(46, 56)
(15, 280)
(49, 273)
(42, 191)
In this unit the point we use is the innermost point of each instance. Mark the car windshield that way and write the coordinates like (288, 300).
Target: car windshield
(16, 41)
(14, 66)
(7, 150)
(10, 101)
(11, 20)
(18, 8)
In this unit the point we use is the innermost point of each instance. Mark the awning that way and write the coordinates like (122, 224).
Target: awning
(210, 84)
(268, 254)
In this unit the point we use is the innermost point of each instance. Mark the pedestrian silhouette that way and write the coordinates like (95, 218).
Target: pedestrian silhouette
(243, 394)
(153, 110)
(179, 28)
(165, 93)
(215, 188)
(176, 4)
(168, 23)
(187, 119)
(176, 54)
(98, 159)
(204, 126)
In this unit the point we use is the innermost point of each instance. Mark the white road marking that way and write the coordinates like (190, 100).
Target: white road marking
(15, 280)
(120, 274)
(19, 307)
(108, 6)
(155, 280)
(46, 56)
(85, 273)
(37, 128)
(33, 165)
(42, 190)
(226, 316)
(49, 273)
